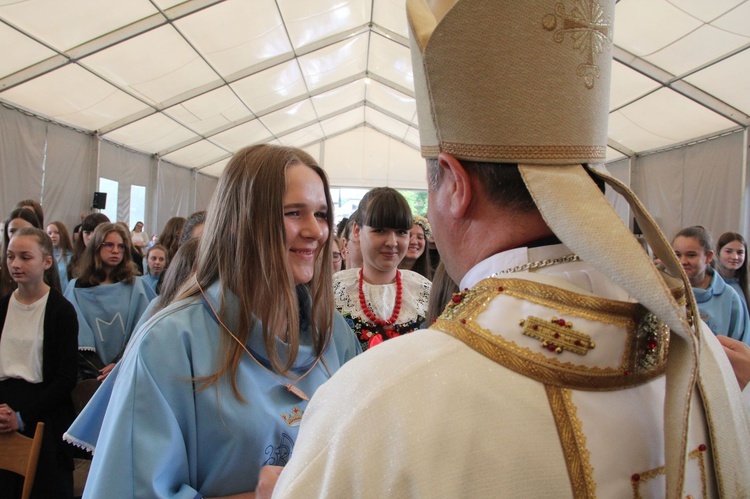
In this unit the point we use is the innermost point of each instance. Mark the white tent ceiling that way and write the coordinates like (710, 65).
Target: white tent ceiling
(194, 81)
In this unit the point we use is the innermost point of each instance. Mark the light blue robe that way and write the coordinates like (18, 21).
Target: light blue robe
(162, 438)
(151, 281)
(62, 268)
(721, 308)
(107, 315)
(735, 283)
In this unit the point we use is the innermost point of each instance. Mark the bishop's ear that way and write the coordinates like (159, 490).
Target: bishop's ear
(458, 182)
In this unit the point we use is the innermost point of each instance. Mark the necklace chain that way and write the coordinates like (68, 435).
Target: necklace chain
(539, 264)
(289, 386)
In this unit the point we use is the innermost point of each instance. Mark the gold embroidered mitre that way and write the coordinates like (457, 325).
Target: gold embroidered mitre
(512, 82)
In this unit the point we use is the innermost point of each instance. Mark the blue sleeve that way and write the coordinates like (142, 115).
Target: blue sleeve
(21, 426)
(85, 334)
(345, 340)
(147, 443)
(740, 322)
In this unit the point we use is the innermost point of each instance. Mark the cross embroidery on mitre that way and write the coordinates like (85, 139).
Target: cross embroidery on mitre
(590, 30)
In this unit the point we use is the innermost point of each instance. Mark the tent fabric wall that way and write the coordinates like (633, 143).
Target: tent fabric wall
(699, 184)
(713, 175)
(22, 141)
(69, 175)
(128, 168)
(173, 193)
(364, 157)
(59, 167)
(204, 190)
(621, 171)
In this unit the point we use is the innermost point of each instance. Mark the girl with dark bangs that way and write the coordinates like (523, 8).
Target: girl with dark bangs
(379, 301)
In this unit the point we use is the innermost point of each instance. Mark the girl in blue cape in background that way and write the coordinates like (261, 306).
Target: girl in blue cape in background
(108, 297)
(215, 385)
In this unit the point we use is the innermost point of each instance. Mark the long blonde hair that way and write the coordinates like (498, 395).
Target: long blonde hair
(244, 247)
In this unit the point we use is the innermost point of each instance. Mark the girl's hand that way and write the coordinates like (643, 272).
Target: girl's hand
(8, 419)
(267, 479)
(739, 357)
(105, 372)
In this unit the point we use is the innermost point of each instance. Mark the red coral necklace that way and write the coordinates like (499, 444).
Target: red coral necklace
(370, 315)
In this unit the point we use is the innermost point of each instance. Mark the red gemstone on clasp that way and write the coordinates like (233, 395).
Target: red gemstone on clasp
(456, 298)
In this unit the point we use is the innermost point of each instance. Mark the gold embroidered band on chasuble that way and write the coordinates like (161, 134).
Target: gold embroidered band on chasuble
(646, 340)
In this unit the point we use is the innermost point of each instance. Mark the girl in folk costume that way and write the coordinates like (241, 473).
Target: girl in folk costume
(379, 301)
(63, 247)
(215, 384)
(732, 263)
(109, 298)
(37, 364)
(719, 305)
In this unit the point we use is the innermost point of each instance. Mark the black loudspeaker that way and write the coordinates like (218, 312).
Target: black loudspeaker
(100, 200)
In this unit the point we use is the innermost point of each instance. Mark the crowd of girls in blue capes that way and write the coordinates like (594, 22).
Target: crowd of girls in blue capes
(205, 346)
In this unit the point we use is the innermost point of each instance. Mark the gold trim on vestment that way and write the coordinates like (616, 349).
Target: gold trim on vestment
(716, 455)
(489, 151)
(573, 442)
(645, 351)
(696, 454)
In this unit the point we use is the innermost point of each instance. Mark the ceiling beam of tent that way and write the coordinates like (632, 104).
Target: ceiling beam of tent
(397, 139)
(270, 135)
(101, 43)
(690, 142)
(326, 138)
(281, 105)
(391, 35)
(680, 86)
(620, 148)
(396, 117)
(226, 81)
(388, 83)
(367, 125)
(341, 111)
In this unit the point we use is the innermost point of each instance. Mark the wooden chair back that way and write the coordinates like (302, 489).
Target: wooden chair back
(20, 454)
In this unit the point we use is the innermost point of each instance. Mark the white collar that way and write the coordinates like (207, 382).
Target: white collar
(505, 260)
